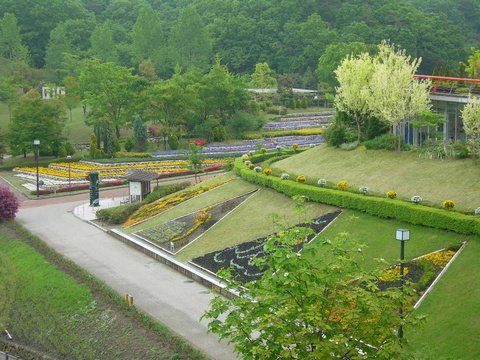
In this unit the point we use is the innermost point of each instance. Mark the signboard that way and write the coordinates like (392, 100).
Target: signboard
(94, 186)
(135, 188)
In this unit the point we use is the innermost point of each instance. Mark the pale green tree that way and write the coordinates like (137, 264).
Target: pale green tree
(327, 308)
(263, 77)
(394, 94)
(102, 43)
(148, 37)
(58, 47)
(353, 76)
(472, 67)
(471, 125)
(11, 46)
(189, 42)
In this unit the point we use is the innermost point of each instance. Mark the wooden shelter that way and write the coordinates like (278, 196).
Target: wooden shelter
(139, 184)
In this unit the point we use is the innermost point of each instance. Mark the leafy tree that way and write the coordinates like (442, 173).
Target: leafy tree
(108, 90)
(147, 69)
(11, 45)
(263, 77)
(72, 93)
(471, 125)
(332, 57)
(103, 45)
(394, 95)
(140, 133)
(472, 67)
(8, 93)
(353, 76)
(34, 118)
(148, 37)
(241, 122)
(58, 48)
(195, 158)
(304, 309)
(189, 42)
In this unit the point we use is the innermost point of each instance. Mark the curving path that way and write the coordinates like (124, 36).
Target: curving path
(166, 295)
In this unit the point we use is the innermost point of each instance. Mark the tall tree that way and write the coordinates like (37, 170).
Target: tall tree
(353, 76)
(148, 37)
(304, 309)
(34, 118)
(108, 91)
(471, 125)
(263, 77)
(11, 45)
(58, 48)
(189, 42)
(394, 95)
(103, 47)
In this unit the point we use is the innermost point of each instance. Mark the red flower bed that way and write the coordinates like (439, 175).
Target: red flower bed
(199, 142)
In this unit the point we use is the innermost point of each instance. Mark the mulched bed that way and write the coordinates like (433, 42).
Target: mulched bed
(162, 234)
(238, 257)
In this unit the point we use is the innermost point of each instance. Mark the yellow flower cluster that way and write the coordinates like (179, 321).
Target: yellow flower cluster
(202, 217)
(301, 178)
(393, 274)
(163, 204)
(342, 184)
(440, 258)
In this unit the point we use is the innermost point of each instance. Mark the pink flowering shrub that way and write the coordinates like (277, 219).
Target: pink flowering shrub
(8, 204)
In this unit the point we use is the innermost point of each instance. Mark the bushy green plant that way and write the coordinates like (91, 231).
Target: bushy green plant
(173, 142)
(118, 214)
(349, 146)
(161, 191)
(129, 144)
(338, 133)
(386, 142)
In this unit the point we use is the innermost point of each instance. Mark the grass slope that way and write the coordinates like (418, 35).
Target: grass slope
(72, 318)
(381, 171)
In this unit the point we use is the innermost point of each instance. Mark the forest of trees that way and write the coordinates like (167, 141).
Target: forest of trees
(289, 35)
(184, 65)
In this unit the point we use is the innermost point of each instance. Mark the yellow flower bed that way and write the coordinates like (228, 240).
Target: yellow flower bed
(440, 258)
(159, 206)
(393, 274)
(80, 170)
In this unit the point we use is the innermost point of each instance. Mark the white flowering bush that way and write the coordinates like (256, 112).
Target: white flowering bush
(248, 162)
(363, 190)
(284, 176)
(322, 182)
(477, 211)
(416, 199)
(257, 168)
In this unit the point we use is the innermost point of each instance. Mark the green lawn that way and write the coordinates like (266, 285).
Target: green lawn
(48, 310)
(251, 220)
(405, 172)
(378, 236)
(452, 328)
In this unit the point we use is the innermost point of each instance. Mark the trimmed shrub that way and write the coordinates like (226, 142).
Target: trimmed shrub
(391, 194)
(8, 204)
(285, 176)
(301, 178)
(386, 141)
(267, 171)
(448, 204)
(363, 190)
(342, 185)
(322, 182)
(416, 199)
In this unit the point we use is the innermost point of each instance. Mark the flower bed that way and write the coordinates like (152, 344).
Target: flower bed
(159, 206)
(176, 234)
(239, 256)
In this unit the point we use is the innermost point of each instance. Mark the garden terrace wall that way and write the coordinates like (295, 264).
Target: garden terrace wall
(382, 207)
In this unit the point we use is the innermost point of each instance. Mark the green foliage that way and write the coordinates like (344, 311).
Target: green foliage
(263, 77)
(36, 119)
(338, 133)
(129, 144)
(242, 122)
(302, 309)
(173, 142)
(11, 46)
(381, 207)
(386, 141)
(140, 133)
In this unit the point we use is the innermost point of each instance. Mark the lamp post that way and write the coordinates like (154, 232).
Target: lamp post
(36, 144)
(69, 158)
(401, 235)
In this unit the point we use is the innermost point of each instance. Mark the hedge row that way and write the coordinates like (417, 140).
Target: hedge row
(381, 207)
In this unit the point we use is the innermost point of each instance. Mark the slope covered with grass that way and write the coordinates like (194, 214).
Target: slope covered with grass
(405, 172)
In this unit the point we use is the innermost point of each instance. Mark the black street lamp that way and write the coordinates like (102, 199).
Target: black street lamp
(69, 158)
(402, 235)
(36, 144)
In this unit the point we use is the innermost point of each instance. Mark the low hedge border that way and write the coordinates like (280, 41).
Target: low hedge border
(381, 207)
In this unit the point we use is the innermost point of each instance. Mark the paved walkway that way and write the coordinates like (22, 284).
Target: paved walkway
(166, 295)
